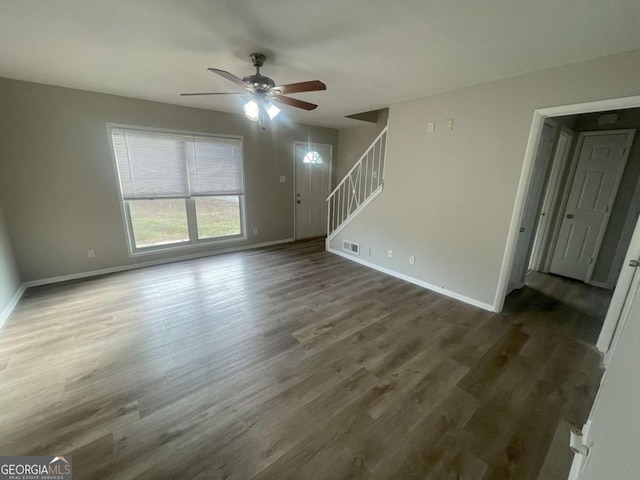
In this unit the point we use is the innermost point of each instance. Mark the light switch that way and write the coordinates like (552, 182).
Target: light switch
(450, 123)
(431, 127)
(283, 179)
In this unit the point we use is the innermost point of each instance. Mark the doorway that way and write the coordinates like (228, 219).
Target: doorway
(601, 157)
(312, 186)
(616, 194)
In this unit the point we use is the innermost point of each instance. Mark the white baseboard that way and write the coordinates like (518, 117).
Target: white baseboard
(6, 311)
(122, 268)
(415, 281)
(599, 284)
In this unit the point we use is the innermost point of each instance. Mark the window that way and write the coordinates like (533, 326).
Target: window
(179, 189)
(312, 157)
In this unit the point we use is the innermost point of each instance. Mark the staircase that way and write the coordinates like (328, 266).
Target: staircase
(358, 188)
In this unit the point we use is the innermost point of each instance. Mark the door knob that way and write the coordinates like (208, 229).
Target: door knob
(299, 201)
(570, 215)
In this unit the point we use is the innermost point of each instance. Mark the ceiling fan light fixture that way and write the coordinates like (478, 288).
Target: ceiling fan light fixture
(261, 89)
(272, 110)
(251, 110)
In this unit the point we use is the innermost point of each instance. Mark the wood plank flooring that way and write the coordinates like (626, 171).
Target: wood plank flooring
(287, 363)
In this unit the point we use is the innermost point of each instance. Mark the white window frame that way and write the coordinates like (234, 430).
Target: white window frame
(190, 206)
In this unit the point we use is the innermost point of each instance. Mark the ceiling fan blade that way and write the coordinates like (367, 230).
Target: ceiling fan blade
(233, 78)
(191, 94)
(294, 102)
(300, 87)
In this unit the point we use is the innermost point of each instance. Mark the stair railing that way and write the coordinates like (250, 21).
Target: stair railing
(359, 186)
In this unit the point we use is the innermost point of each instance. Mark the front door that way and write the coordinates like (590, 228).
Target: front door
(313, 186)
(600, 165)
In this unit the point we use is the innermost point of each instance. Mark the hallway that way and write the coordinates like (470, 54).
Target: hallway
(570, 306)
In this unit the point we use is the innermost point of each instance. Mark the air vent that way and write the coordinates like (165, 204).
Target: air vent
(351, 247)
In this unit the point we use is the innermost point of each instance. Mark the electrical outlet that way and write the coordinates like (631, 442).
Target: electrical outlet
(283, 179)
(255, 231)
(450, 123)
(91, 253)
(390, 253)
(412, 260)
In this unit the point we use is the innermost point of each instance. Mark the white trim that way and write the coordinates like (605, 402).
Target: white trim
(525, 177)
(610, 326)
(415, 281)
(627, 232)
(8, 309)
(599, 284)
(576, 466)
(122, 268)
(295, 179)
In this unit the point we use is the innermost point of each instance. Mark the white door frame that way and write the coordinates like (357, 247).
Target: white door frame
(523, 187)
(295, 177)
(627, 233)
(610, 328)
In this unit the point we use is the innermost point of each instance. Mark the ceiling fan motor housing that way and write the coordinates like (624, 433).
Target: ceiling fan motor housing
(259, 82)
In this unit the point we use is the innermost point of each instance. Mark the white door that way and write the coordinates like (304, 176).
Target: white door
(313, 186)
(531, 208)
(540, 257)
(601, 160)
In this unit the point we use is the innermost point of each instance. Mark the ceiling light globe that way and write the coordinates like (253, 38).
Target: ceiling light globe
(272, 110)
(251, 110)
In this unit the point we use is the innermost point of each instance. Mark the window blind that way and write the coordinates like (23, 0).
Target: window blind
(160, 165)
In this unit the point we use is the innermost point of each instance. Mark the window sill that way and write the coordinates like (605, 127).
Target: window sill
(185, 247)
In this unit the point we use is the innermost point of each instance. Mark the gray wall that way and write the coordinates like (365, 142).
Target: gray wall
(9, 279)
(626, 119)
(353, 141)
(449, 196)
(58, 184)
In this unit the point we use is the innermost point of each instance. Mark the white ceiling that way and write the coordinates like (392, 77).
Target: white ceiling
(370, 53)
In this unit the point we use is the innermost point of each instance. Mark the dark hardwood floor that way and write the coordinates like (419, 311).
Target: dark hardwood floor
(287, 363)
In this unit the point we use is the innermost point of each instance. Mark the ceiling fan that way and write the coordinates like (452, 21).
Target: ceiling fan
(263, 91)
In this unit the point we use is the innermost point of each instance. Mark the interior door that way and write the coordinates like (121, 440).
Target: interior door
(540, 257)
(601, 160)
(313, 186)
(531, 208)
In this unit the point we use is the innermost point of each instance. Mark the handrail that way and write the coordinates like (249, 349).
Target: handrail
(359, 186)
(384, 131)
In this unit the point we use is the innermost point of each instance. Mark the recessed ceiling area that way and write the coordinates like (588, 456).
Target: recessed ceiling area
(369, 53)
